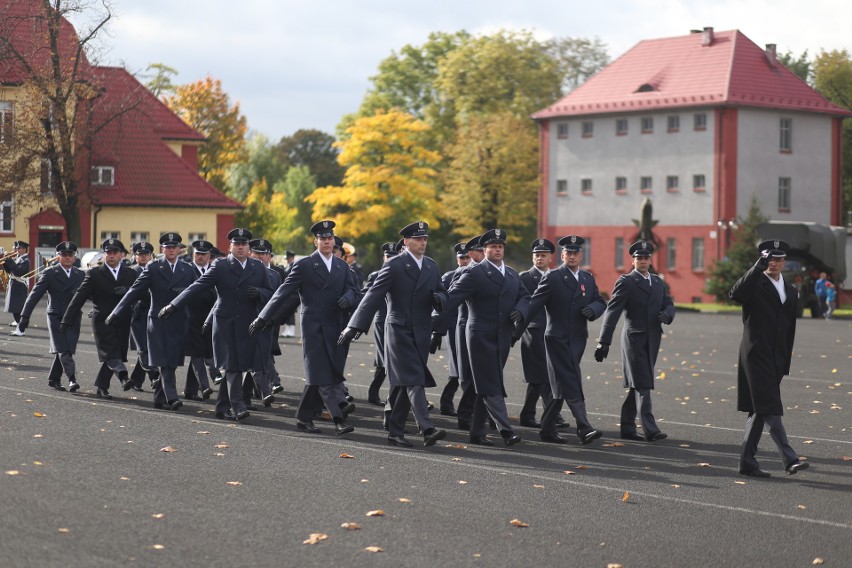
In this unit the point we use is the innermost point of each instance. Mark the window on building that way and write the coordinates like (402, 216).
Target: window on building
(698, 254)
(784, 190)
(699, 182)
(621, 184)
(588, 129)
(699, 121)
(7, 213)
(619, 253)
(586, 186)
(621, 127)
(110, 235)
(672, 184)
(192, 237)
(647, 124)
(562, 130)
(587, 252)
(102, 175)
(7, 119)
(673, 123)
(786, 135)
(139, 236)
(671, 253)
(562, 187)
(646, 184)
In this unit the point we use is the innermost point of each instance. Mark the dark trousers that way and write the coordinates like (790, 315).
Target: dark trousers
(409, 398)
(231, 393)
(166, 390)
(315, 397)
(493, 405)
(551, 416)
(753, 431)
(466, 403)
(534, 392)
(641, 399)
(449, 393)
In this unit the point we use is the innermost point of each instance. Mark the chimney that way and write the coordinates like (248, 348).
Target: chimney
(707, 37)
(771, 54)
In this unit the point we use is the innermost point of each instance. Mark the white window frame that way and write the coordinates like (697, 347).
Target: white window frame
(7, 120)
(671, 253)
(7, 222)
(698, 249)
(586, 185)
(785, 135)
(619, 253)
(103, 176)
(562, 187)
(785, 194)
(110, 235)
(562, 130)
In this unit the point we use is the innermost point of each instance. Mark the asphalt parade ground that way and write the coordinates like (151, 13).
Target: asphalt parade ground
(86, 482)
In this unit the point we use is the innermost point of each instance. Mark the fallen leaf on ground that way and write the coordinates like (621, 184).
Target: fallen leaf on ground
(613, 566)
(704, 464)
(801, 506)
(37, 463)
(376, 513)
(613, 445)
(234, 482)
(846, 458)
(351, 526)
(202, 432)
(158, 547)
(456, 459)
(457, 446)
(124, 478)
(568, 472)
(626, 496)
(222, 445)
(818, 561)
(582, 467)
(518, 523)
(219, 455)
(63, 530)
(347, 456)
(462, 482)
(404, 500)
(365, 481)
(740, 482)
(38, 415)
(38, 436)
(315, 538)
(675, 485)
(808, 442)
(374, 549)
(13, 472)
(168, 449)
(539, 486)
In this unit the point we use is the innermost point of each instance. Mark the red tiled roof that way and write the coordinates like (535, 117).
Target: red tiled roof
(147, 172)
(681, 72)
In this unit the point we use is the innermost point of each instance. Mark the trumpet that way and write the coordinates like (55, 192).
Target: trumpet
(8, 255)
(45, 263)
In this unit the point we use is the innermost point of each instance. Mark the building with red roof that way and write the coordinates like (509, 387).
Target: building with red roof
(695, 126)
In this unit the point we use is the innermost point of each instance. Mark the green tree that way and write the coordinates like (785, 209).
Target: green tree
(159, 79)
(740, 256)
(297, 185)
(315, 150)
(269, 216)
(206, 107)
(577, 58)
(263, 163)
(801, 65)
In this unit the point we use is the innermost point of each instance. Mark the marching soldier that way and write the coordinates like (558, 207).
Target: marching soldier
(646, 305)
(162, 279)
(59, 282)
(289, 325)
(464, 410)
(446, 404)
(16, 294)
(571, 299)
(199, 340)
(105, 285)
(411, 285)
(142, 254)
(238, 280)
(326, 288)
(264, 374)
(388, 252)
(766, 351)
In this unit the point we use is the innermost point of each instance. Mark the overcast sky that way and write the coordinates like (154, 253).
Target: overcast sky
(303, 64)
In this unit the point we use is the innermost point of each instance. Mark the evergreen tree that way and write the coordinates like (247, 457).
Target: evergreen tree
(741, 255)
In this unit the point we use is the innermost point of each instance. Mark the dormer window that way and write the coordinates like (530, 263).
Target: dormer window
(646, 88)
(103, 175)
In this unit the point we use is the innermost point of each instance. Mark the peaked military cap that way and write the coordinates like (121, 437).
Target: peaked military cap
(460, 249)
(113, 245)
(542, 245)
(323, 228)
(493, 237)
(170, 240)
(473, 244)
(216, 253)
(338, 242)
(202, 247)
(261, 245)
(239, 235)
(66, 246)
(389, 249)
(776, 248)
(572, 243)
(642, 248)
(20, 244)
(418, 229)
(142, 247)
(289, 253)
(400, 246)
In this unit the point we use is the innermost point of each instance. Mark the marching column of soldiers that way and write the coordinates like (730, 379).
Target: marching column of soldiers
(225, 313)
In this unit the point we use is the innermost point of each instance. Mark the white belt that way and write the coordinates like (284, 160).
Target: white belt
(19, 279)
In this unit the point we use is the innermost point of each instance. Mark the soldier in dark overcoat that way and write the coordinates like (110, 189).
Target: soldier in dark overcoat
(18, 286)
(142, 254)
(766, 350)
(411, 285)
(327, 291)
(261, 379)
(199, 340)
(446, 406)
(105, 285)
(646, 305)
(388, 251)
(570, 299)
(162, 280)
(59, 282)
(237, 280)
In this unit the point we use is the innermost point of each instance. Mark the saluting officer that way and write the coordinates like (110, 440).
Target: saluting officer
(410, 283)
(142, 254)
(59, 282)
(646, 305)
(388, 252)
(162, 280)
(326, 288)
(571, 299)
(105, 285)
(16, 293)
(237, 280)
(766, 351)
(446, 405)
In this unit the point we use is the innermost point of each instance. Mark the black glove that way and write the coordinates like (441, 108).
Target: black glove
(436, 301)
(516, 316)
(665, 318)
(348, 335)
(601, 351)
(435, 344)
(119, 290)
(257, 326)
(110, 320)
(763, 261)
(137, 306)
(205, 327)
(23, 323)
(588, 313)
(343, 302)
(166, 312)
(251, 292)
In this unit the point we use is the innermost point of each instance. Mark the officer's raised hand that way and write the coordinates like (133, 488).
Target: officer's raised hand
(763, 261)
(343, 302)
(435, 344)
(601, 351)
(348, 335)
(665, 317)
(166, 312)
(588, 313)
(257, 326)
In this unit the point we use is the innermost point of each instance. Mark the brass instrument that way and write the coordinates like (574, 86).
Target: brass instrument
(45, 263)
(4, 279)
(8, 255)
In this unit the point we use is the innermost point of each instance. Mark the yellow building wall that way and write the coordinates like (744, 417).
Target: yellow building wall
(156, 221)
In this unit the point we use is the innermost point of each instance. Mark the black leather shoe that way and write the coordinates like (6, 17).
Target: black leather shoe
(531, 423)
(192, 397)
(205, 394)
(590, 436)
(307, 427)
(268, 400)
(174, 404)
(159, 405)
(243, 414)
(349, 398)
(432, 435)
(73, 386)
(552, 437)
(510, 438)
(250, 406)
(449, 412)
(104, 394)
(755, 473)
(155, 384)
(217, 380)
(137, 389)
(340, 428)
(57, 386)
(227, 415)
(464, 425)
(374, 399)
(348, 409)
(796, 467)
(275, 389)
(127, 384)
(563, 424)
(429, 406)
(657, 436)
(480, 441)
(632, 436)
(399, 441)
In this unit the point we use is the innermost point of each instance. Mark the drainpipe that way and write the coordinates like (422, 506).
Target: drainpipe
(95, 226)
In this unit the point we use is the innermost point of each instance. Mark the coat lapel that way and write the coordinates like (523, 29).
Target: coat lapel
(319, 267)
(424, 276)
(641, 282)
